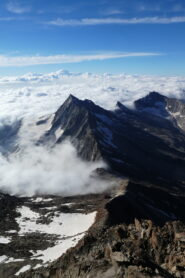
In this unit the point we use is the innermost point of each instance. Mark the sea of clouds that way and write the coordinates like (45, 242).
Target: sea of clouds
(41, 94)
(41, 170)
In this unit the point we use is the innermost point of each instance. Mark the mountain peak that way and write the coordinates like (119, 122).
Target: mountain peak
(155, 94)
(151, 98)
(72, 98)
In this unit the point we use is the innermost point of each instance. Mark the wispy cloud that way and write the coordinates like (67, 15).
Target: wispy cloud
(16, 61)
(112, 11)
(148, 7)
(106, 21)
(17, 8)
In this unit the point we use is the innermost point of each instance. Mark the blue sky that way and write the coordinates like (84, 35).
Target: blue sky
(135, 36)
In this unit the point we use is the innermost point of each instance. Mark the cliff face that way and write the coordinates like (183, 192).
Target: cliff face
(131, 141)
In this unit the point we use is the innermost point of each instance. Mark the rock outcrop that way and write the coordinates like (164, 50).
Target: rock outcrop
(140, 249)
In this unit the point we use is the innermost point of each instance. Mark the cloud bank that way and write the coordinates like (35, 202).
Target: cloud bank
(34, 95)
(20, 61)
(38, 170)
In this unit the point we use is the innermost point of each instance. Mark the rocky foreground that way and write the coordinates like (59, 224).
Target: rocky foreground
(36, 231)
(139, 248)
(116, 245)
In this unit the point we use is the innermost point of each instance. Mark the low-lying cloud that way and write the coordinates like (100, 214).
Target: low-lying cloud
(35, 95)
(38, 170)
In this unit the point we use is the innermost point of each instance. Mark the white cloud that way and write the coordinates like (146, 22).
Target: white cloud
(112, 11)
(38, 170)
(17, 8)
(107, 21)
(16, 61)
(40, 94)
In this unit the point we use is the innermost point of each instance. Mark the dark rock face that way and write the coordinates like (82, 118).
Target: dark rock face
(146, 201)
(7, 212)
(132, 142)
(145, 144)
(162, 106)
(74, 118)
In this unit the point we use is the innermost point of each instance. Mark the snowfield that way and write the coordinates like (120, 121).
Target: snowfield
(70, 228)
(45, 231)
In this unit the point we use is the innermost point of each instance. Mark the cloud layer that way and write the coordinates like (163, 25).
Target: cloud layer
(34, 95)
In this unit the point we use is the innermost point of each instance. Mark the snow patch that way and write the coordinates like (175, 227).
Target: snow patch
(10, 260)
(58, 133)
(11, 232)
(70, 228)
(23, 269)
(41, 199)
(4, 240)
(50, 208)
(3, 258)
(175, 114)
(64, 224)
(69, 204)
(58, 250)
(37, 200)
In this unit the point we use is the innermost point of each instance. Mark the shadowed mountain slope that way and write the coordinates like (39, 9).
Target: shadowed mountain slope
(145, 143)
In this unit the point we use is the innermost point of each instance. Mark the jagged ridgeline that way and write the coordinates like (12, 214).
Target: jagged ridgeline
(139, 227)
(144, 142)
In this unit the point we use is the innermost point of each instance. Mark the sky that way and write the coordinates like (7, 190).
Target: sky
(115, 36)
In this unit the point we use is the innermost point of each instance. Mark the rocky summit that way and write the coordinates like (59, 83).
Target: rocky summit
(134, 228)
